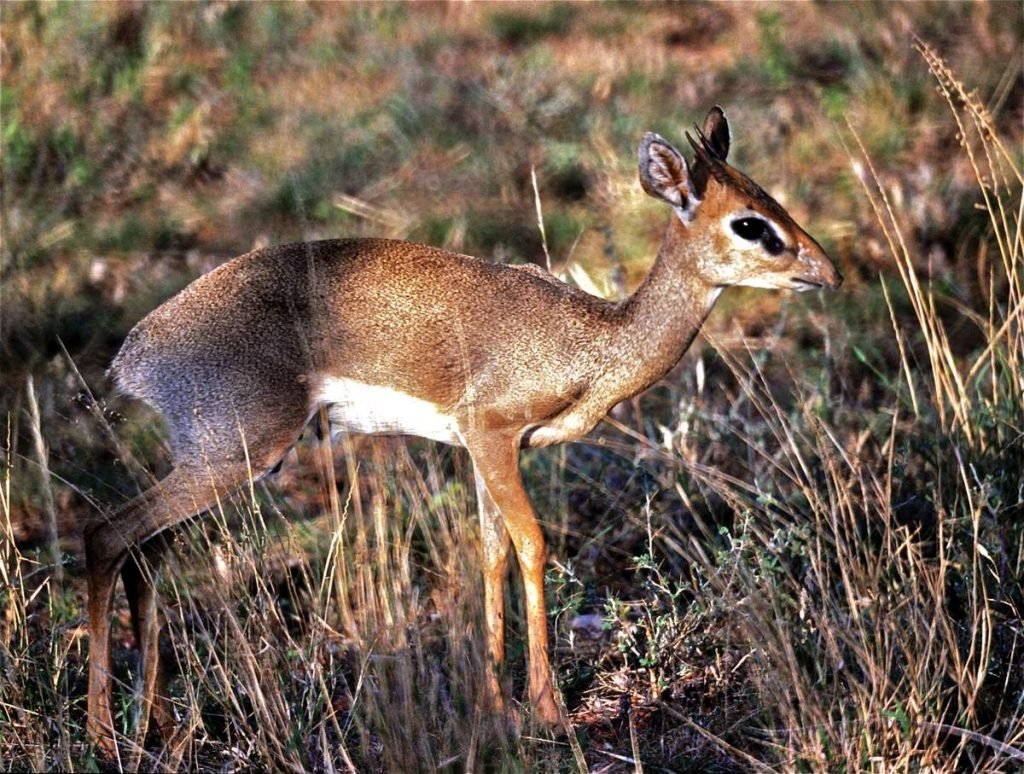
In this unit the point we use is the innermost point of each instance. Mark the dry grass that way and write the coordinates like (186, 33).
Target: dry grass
(879, 584)
(803, 551)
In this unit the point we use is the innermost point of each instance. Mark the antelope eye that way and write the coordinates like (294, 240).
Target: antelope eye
(773, 244)
(750, 229)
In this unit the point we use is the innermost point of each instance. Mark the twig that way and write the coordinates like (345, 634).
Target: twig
(52, 539)
(634, 743)
(627, 759)
(745, 757)
(540, 216)
(1002, 748)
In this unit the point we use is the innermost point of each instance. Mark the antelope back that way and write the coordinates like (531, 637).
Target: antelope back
(353, 322)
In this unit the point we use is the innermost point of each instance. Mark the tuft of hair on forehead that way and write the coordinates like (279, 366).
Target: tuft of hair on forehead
(708, 158)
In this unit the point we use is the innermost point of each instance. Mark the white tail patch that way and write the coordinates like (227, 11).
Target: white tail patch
(357, 407)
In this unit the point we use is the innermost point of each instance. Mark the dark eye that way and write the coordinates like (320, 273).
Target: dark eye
(773, 244)
(751, 229)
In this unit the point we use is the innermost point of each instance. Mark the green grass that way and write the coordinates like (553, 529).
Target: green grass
(803, 550)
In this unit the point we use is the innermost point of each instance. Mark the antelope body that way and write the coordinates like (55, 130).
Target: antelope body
(403, 338)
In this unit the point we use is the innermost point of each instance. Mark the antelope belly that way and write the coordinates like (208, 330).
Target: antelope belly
(357, 407)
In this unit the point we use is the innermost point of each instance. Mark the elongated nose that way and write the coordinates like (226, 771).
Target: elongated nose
(836, 280)
(820, 268)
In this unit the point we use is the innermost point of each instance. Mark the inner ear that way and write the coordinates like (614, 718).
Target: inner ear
(663, 171)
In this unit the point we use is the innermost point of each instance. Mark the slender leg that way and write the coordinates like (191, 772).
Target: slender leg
(496, 545)
(139, 577)
(181, 495)
(497, 462)
(101, 579)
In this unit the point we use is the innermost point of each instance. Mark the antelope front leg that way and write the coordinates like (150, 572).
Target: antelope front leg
(497, 464)
(496, 543)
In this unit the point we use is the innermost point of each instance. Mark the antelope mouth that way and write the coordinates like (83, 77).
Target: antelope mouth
(801, 284)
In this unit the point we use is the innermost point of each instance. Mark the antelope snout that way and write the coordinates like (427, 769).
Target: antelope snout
(819, 269)
(832, 279)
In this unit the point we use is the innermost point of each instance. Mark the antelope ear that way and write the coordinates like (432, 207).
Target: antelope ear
(716, 131)
(715, 139)
(664, 174)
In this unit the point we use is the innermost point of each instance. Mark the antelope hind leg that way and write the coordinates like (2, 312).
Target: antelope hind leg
(182, 494)
(140, 576)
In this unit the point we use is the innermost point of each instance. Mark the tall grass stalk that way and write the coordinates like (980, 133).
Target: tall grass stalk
(36, 694)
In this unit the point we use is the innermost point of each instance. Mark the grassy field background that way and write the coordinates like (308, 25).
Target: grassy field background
(801, 551)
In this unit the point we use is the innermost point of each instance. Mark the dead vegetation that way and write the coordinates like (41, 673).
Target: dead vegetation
(802, 551)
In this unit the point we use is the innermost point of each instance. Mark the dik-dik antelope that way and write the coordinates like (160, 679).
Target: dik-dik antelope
(402, 338)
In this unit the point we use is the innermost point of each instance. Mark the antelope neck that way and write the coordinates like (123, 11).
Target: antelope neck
(661, 319)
